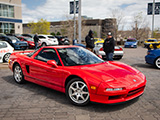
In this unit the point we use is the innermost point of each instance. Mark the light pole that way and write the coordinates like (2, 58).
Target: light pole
(153, 13)
(74, 35)
(79, 22)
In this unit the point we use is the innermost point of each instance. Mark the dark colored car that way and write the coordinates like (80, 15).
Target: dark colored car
(62, 40)
(153, 57)
(29, 40)
(15, 42)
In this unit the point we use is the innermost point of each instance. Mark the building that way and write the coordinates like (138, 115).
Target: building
(10, 16)
(100, 26)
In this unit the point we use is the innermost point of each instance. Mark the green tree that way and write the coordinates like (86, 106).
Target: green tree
(95, 33)
(53, 34)
(41, 27)
(58, 33)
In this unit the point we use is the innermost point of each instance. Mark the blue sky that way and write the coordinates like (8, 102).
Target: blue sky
(55, 10)
(32, 4)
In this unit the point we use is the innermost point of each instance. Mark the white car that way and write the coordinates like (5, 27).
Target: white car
(48, 40)
(118, 51)
(5, 51)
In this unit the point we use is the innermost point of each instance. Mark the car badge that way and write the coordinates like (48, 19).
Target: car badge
(134, 80)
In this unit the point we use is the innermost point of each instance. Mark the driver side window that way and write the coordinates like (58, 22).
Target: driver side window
(48, 54)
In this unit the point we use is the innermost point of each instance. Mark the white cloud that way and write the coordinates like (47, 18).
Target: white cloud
(54, 10)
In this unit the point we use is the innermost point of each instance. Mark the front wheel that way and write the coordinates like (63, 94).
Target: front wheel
(77, 92)
(18, 74)
(157, 62)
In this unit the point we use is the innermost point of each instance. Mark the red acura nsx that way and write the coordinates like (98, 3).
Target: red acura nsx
(78, 73)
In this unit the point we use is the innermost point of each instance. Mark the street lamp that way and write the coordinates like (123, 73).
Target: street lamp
(153, 12)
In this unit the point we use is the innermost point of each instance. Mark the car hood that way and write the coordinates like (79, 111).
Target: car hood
(114, 72)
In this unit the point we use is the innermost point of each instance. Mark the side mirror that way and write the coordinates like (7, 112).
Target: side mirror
(52, 63)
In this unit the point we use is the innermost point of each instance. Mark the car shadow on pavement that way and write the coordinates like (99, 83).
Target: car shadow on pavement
(140, 65)
(60, 98)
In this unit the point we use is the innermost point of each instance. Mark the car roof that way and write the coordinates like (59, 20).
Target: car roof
(22, 37)
(61, 46)
(131, 39)
(44, 35)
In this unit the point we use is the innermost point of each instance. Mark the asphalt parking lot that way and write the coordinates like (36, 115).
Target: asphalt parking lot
(33, 102)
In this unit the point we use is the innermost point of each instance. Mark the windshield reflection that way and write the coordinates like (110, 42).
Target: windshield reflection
(78, 56)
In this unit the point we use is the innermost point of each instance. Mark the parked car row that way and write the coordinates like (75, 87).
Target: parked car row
(15, 42)
(25, 41)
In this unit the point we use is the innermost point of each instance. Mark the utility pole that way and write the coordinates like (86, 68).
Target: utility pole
(153, 13)
(79, 22)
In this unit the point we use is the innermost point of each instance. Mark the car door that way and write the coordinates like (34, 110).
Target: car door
(41, 71)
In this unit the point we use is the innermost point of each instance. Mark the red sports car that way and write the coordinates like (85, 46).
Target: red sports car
(79, 73)
(29, 41)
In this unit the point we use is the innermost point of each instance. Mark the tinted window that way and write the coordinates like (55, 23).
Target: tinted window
(13, 38)
(51, 37)
(78, 56)
(28, 39)
(48, 54)
(152, 40)
(3, 45)
(131, 40)
(41, 37)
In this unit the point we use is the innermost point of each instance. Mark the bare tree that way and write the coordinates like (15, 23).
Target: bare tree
(140, 27)
(67, 28)
(119, 16)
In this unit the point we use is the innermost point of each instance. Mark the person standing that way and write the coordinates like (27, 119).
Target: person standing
(36, 39)
(108, 47)
(90, 41)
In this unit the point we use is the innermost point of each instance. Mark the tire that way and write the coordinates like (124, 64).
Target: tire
(44, 44)
(157, 62)
(6, 57)
(18, 74)
(77, 92)
(118, 58)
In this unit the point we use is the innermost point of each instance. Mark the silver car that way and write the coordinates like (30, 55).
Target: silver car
(118, 51)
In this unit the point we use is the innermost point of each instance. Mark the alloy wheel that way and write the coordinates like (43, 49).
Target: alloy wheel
(78, 92)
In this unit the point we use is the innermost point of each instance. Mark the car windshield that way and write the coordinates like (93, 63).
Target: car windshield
(3, 45)
(13, 38)
(29, 39)
(152, 40)
(78, 56)
(131, 40)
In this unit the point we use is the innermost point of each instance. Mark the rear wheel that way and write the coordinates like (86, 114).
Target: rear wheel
(18, 74)
(6, 57)
(157, 62)
(44, 44)
(77, 92)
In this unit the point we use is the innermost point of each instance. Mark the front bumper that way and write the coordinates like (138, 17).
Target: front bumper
(116, 54)
(150, 59)
(118, 97)
(130, 46)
